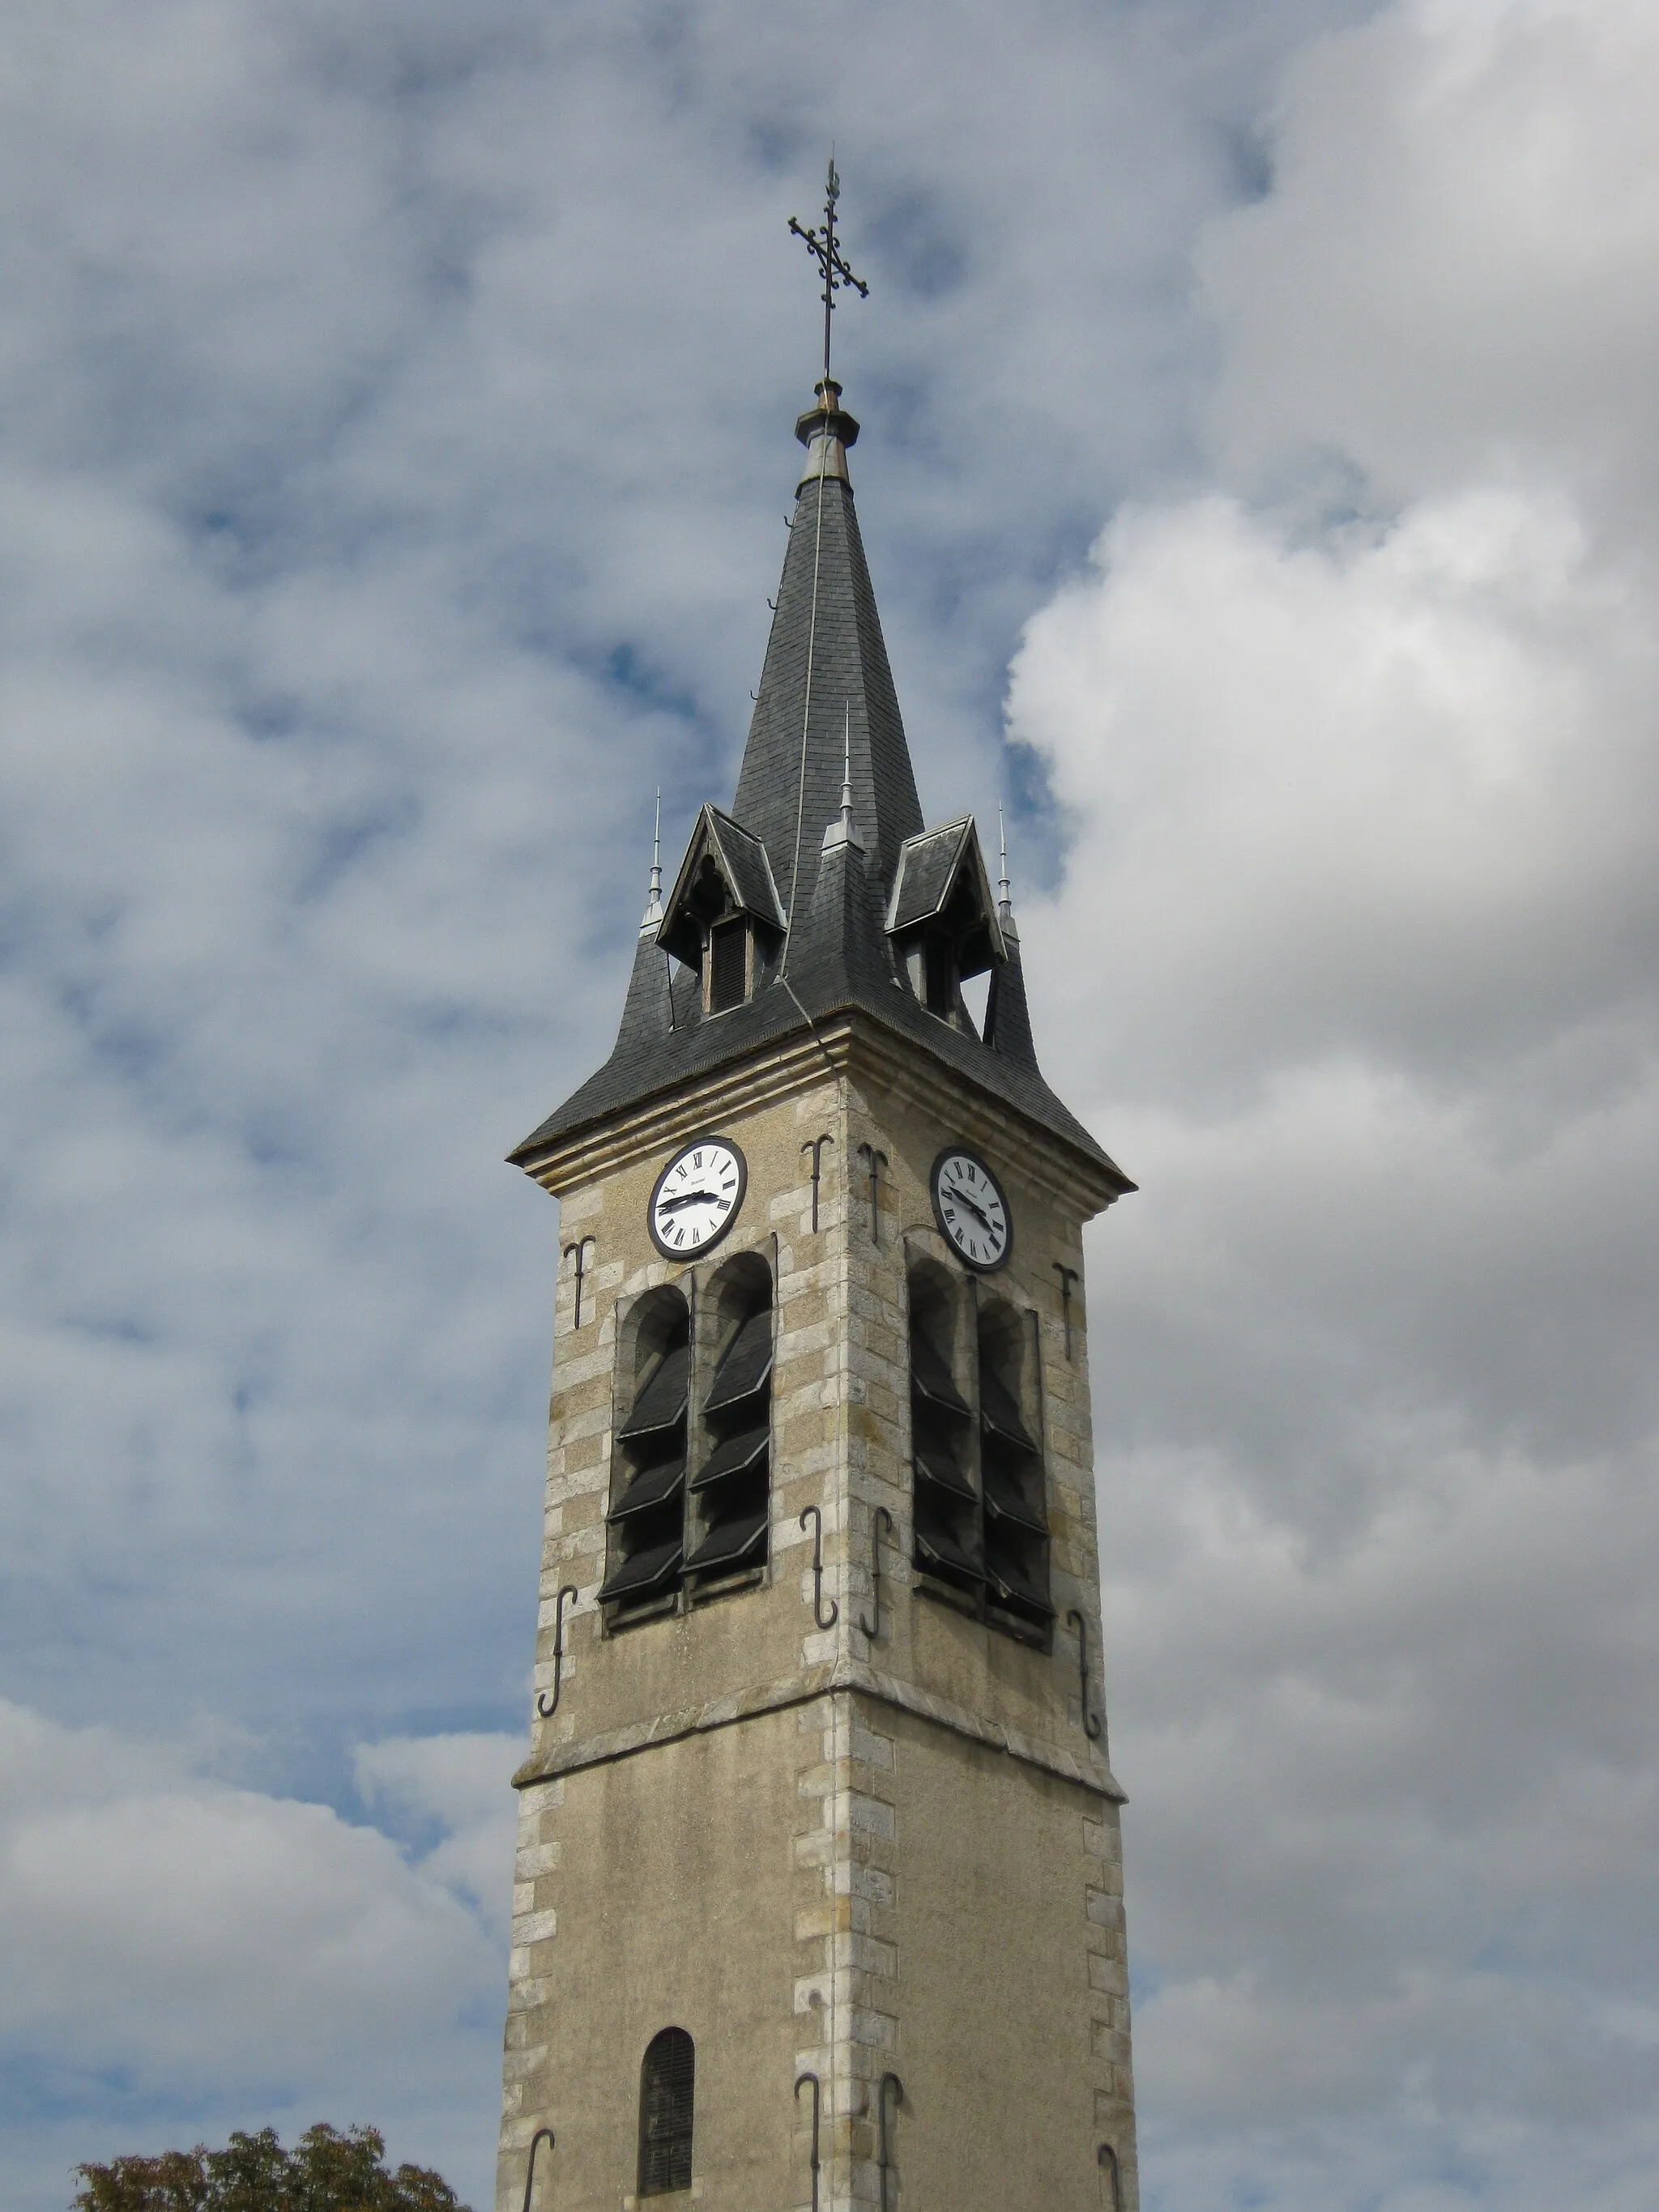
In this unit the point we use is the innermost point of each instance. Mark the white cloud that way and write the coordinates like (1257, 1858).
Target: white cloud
(461, 1783)
(1450, 281)
(209, 1947)
(1362, 786)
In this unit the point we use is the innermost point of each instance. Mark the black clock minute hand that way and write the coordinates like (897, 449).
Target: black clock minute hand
(963, 1199)
(688, 1198)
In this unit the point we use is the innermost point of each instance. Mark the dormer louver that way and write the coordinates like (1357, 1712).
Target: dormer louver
(941, 917)
(724, 915)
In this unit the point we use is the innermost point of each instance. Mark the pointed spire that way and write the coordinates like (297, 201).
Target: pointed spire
(826, 644)
(840, 836)
(652, 917)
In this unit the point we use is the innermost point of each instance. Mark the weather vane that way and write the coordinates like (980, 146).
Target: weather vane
(821, 244)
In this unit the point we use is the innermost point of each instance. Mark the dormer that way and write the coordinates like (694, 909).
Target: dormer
(942, 919)
(724, 917)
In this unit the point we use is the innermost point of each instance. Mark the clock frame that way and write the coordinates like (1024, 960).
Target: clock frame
(688, 1155)
(956, 1238)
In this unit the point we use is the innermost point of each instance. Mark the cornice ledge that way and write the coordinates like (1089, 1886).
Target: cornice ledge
(800, 1689)
(793, 1063)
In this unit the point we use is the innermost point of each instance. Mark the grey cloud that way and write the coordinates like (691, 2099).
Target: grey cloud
(1361, 811)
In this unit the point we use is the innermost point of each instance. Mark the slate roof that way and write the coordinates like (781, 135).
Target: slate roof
(851, 691)
(837, 955)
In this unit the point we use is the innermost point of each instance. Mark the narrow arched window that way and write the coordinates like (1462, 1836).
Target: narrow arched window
(648, 1507)
(731, 1488)
(667, 2081)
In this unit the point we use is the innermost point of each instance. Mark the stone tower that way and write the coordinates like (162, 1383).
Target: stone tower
(819, 1898)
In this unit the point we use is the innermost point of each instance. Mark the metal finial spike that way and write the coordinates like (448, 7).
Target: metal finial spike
(843, 835)
(1004, 889)
(653, 914)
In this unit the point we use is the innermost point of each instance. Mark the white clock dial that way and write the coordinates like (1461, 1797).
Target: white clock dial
(971, 1208)
(697, 1198)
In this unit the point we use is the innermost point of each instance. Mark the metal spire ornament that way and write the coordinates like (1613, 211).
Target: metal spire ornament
(653, 914)
(822, 245)
(1004, 889)
(845, 832)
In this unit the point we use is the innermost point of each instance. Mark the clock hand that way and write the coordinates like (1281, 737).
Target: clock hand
(687, 1198)
(963, 1199)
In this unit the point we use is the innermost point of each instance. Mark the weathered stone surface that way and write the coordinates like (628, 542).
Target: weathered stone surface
(822, 1849)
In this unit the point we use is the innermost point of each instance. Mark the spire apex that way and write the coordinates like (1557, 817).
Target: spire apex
(1004, 889)
(652, 915)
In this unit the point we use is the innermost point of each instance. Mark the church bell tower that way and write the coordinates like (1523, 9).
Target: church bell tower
(818, 1897)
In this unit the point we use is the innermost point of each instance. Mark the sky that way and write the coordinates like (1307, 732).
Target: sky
(1259, 474)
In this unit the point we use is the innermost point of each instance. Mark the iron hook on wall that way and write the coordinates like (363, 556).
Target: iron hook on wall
(814, 1146)
(880, 1514)
(541, 2135)
(1091, 1721)
(1068, 1277)
(817, 1518)
(897, 2087)
(547, 1706)
(801, 2081)
(878, 1161)
(579, 1248)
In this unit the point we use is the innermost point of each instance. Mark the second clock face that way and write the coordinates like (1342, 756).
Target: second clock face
(972, 1209)
(697, 1198)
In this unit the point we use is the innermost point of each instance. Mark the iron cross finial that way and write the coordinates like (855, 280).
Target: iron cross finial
(821, 244)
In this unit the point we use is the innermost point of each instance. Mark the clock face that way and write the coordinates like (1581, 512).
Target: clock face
(697, 1198)
(972, 1209)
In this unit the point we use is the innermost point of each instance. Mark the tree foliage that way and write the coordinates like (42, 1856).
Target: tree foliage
(326, 2172)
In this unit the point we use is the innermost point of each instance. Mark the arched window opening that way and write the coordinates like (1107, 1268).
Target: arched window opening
(732, 1487)
(946, 1526)
(1010, 1472)
(648, 1509)
(1111, 2180)
(667, 2081)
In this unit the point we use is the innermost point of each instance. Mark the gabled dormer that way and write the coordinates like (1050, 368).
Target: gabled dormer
(724, 917)
(942, 919)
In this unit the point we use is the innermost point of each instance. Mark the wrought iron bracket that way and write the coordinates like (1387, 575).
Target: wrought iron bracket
(1068, 1277)
(814, 1146)
(579, 1248)
(880, 1514)
(801, 2081)
(898, 2088)
(541, 2135)
(877, 1161)
(811, 1513)
(1091, 1721)
(547, 1706)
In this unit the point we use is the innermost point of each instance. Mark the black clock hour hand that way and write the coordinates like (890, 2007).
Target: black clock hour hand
(687, 1198)
(963, 1199)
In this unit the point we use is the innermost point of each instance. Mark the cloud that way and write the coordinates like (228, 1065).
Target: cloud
(1445, 284)
(394, 430)
(1357, 752)
(174, 1939)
